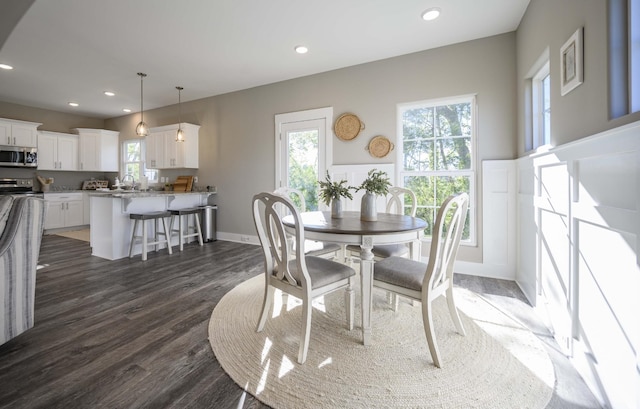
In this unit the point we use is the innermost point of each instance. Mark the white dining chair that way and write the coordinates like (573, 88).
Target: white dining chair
(312, 247)
(290, 270)
(427, 282)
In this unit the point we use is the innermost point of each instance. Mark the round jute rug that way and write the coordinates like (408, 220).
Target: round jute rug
(498, 364)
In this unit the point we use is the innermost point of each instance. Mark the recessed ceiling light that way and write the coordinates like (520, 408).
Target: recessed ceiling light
(300, 49)
(109, 93)
(74, 104)
(126, 110)
(6, 67)
(431, 14)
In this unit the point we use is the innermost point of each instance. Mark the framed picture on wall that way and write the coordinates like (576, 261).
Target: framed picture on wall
(571, 63)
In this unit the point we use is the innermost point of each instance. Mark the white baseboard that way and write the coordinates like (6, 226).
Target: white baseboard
(485, 270)
(238, 238)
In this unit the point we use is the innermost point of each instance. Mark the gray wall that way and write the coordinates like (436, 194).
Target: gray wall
(50, 120)
(237, 134)
(584, 111)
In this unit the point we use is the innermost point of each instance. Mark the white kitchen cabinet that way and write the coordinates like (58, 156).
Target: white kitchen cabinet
(98, 150)
(164, 152)
(57, 151)
(63, 210)
(155, 150)
(18, 133)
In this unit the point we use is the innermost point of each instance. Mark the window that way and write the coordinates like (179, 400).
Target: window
(541, 107)
(624, 57)
(436, 157)
(133, 160)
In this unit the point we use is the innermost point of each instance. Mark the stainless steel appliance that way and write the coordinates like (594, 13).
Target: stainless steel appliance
(18, 186)
(208, 223)
(16, 156)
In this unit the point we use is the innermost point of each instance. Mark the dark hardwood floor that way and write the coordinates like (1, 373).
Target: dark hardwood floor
(133, 334)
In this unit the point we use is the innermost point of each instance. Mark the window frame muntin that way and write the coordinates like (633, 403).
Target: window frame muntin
(473, 171)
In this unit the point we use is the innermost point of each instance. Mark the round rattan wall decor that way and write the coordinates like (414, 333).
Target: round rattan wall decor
(348, 126)
(380, 146)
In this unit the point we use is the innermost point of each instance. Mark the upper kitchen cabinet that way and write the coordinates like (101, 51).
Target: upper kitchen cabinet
(164, 152)
(57, 151)
(98, 150)
(18, 133)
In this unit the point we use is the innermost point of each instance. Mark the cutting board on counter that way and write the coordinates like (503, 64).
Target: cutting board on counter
(183, 184)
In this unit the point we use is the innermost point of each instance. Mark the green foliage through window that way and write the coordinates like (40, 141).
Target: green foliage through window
(303, 165)
(437, 156)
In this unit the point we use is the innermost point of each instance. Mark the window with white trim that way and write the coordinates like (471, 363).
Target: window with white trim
(541, 107)
(436, 155)
(133, 160)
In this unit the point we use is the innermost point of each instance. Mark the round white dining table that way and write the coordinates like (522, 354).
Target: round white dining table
(388, 229)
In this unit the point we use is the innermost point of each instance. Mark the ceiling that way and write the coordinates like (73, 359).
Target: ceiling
(74, 50)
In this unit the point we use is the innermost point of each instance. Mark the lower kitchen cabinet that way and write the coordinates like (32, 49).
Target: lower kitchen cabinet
(63, 210)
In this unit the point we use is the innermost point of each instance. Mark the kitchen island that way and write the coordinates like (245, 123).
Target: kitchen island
(111, 226)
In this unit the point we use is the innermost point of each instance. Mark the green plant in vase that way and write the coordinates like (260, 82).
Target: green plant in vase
(376, 184)
(332, 192)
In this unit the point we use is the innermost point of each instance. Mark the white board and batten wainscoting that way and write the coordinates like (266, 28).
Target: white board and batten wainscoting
(578, 255)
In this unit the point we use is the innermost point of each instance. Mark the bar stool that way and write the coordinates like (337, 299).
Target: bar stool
(143, 217)
(191, 231)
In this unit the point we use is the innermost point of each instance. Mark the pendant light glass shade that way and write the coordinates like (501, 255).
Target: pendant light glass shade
(142, 129)
(180, 133)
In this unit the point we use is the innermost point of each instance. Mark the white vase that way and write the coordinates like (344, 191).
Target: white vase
(336, 209)
(368, 211)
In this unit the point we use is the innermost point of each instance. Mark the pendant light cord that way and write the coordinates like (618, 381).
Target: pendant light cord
(142, 75)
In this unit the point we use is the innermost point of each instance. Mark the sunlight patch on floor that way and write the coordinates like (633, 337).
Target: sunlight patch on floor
(265, 349)
(285, 366)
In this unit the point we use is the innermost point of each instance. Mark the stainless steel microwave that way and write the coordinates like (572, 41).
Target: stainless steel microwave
(16, 156)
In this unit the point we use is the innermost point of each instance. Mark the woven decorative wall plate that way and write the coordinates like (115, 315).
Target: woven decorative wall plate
(380, 146)
(348, 126)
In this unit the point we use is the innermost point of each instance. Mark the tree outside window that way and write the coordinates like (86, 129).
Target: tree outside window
(303, 166)
(437, 155)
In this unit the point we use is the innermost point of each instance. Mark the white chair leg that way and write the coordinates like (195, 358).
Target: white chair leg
(167, 235)
(197, 222)
(181, 233)
(133, 238)
(349, 300)
(266, 306)
(427, 320)
(393, 299)
(145, 246)
(455, 316)
(171, 221)
(306, 331)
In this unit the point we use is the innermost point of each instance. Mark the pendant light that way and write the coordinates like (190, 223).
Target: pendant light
(141, 129)
(180, 133)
